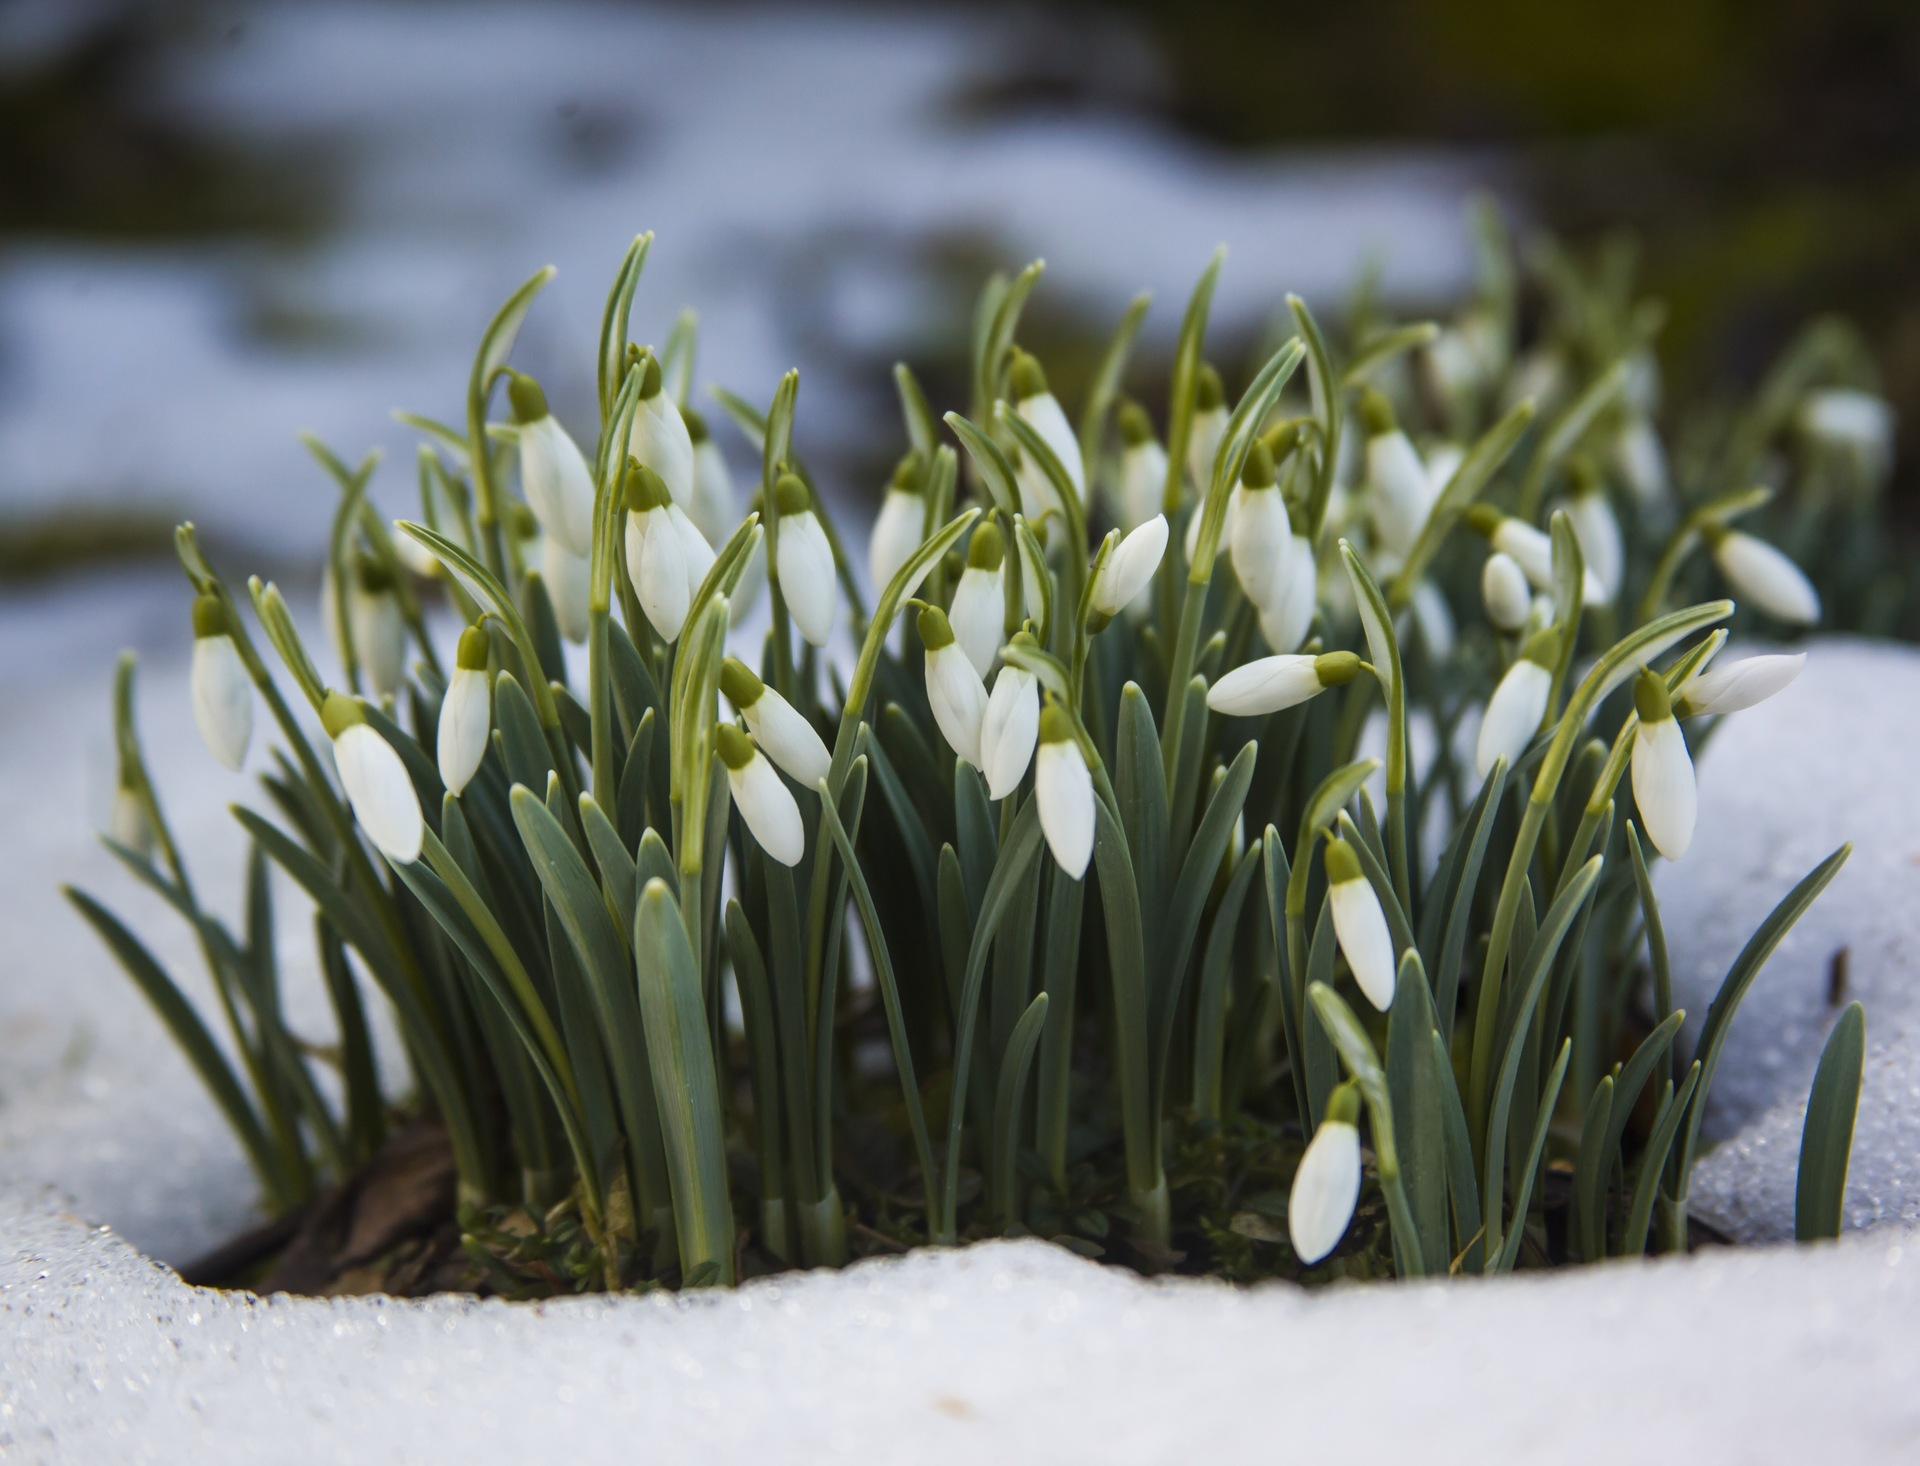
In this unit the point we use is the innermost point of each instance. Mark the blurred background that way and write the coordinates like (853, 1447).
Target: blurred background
(224, 223)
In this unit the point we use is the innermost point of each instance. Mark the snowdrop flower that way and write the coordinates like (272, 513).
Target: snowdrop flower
(127, 822)
(979, 611)
(1641, 462)
(1208, 427)
(414, 555)
(379, 633)
(1064, 790)
(1850, 420)
(1282, 681)
(897, 528)
(466, 712)
(1598, 532)
(1504, 592)
(1734, 688)
(1518, 704)
(1443, 462)
(780, 729)
(1143, 468)
(804, 561)
(1327, 1184)
(378, 787)
(1010, 728)
(753, 580)
(1041, 410)
(1262, 543)
(1129, 566)
(1530, 548)
(1453, 365)
(1434, 617)
(222, 690)
(666, 557)
(712, 508)
(1400, 491)
(1662, 771)
(954, 690)
(568, 579)
(553, 473)
(1360, 925)
(659, 436)
(766, 804)
(1287, 616)
(1764, 576)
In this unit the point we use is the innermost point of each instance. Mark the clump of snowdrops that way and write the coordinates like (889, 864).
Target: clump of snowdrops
(1098, 893)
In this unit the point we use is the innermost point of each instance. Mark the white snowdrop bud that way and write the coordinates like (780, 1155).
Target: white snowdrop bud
(896, 529)
(954, 690)
(1288, 614)
(1641, 461)
(1598, 532)
(222, 691)
(1360, 925)
(1663, 787)
(1208, 427)
(1400, 492)
(1764, 577)
(553, 473)
(1434, 617)
(659, 437)
(1130, 566)
(1518, 704)
(1443, 462)
(1262, 544)
(1530, 548)
(1504, 592)
(1452, 365)
(466, 712)
(1064, 790)
(1850, 420)
(666, 557)
(1143, 468)
(569, 582)
(1281, 681)
(1739, 686)
(1041, 411)
(712, 508)
(766, 804)
(127, 822)
(415, 556)
(378, 787)
(1010, 728)
(753, 580)
(379, 631)
(979, 611)
(1327, 1184)
(777, 726)
(804, 561)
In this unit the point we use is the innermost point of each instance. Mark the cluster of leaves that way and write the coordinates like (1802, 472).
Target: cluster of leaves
(939, 1033)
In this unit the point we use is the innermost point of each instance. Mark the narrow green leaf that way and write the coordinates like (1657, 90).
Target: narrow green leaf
(1008, 1101)
(1826, 1139)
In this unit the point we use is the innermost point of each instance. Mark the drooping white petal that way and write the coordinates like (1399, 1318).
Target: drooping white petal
(1265, 686)
(959, 700)
(127, 822)
(896, 535)
(1767, 578)
(1443, 461)
(1130, 568)
(657, 565)
(1400, 490)
(1203, 443)
(1143, 482)
(787, 738)
(1532, 549)
(569, 582)
(660, 440)
(768, 807)
(806, 575)
(1325, 1189)
(466, 719)
(753, 580)
(696, 553)
(1504, 592)
(1262, 542)
(1513, 715)
(1598, 532)
(1663, 786)
(1009, 730)
(380, 792)
(1736, 686)
(1064, 790)
(414, 555)
(558, 484)
(1037, 496)
(979, 614)
(1641, 461)
(222, 698)
(379, 638)
(1846, 417)
(1434, 617)
(1043, 413)
(1285, 620)
(712, 509)
(1361, 927)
